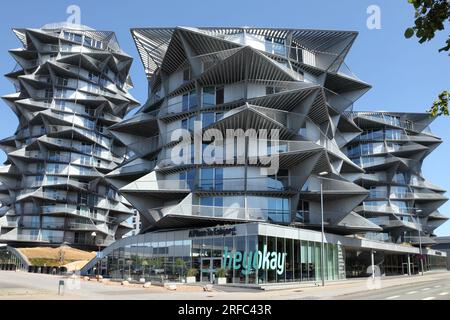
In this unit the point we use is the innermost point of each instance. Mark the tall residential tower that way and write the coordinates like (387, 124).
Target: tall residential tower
(71, 84)
(391, 150)
(245, 132)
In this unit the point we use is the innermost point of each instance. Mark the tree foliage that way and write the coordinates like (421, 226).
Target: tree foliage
(431, 16)
(440, 105)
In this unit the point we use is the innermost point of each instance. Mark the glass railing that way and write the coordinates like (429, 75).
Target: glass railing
(378, 194)
(241, 184)
(401, 195)
(281, 49)
(154, 185)
(31, 238)
(237, 213)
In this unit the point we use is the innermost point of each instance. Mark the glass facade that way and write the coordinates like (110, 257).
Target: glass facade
(8, 260)
(160, 257)
(358, 263)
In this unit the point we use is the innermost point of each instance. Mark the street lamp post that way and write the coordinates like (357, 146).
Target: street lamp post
(322, 264)
(94, 236)
(419, 228)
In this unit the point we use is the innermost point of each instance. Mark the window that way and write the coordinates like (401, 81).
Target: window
(187, 74)
(40, 167)
(393, 134)
(89, 111)
(409, 125)
(275, 45)
(87, 41)
(189, 100)
(296, 53)
(192, 99)
(278, 210)
(218, 178)
(49, 93)
(272, 90)
(62, 81)
(302, 214)
(92, 77)
(219, 95)
(54, 155)
(208, 118)
(188, 124)
(52, 180)
(209, 98)
(188, 176)
(66, 48)
(88, 123)
(399, 192)
(98, 44)
(211, 201)
(211, 179)
(378, 192)
(400, 177)
(72, 36)
(60, 104)
(219, 116)
(185, 102)
(207, 178)
(61, 93)
(85, 160)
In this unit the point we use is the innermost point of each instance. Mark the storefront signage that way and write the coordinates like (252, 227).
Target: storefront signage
(212, 232)
(246, 261)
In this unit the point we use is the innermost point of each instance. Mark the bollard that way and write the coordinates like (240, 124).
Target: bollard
(61, 284)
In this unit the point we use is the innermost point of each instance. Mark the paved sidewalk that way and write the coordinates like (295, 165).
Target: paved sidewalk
(21, 285)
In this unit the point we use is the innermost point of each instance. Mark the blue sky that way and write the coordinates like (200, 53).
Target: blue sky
(405, 75)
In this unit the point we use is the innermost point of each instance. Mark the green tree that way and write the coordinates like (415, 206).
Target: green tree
(431, 16)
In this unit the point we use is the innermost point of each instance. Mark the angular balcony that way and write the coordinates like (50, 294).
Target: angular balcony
(332, 189)
(162, 186)
(377, 209)
(422, 240)
(402, 224)
(211, 215)
(88, 227)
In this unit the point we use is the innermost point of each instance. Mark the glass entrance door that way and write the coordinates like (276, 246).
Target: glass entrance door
(405, 268)
(209, 267)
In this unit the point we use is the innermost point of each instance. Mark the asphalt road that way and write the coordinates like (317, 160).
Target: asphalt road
(429, 290)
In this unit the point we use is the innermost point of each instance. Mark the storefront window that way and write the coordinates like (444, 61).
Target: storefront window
(289, 259)
(271, 246)
(317, 260)
(229, 244)
(281, 249)
(241, 248)
(252, 246)
(262, 273)
(297, 261)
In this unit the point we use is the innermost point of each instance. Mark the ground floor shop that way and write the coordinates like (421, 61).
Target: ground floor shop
(358, 262)
(252, 253)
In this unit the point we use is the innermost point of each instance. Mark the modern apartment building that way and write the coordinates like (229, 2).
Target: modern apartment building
(391, 150)
(242, 153)
(71, 84)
